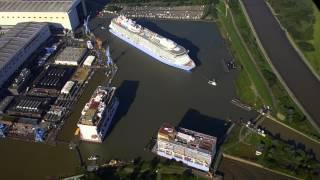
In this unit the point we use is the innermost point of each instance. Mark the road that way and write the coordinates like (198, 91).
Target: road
(295, 73)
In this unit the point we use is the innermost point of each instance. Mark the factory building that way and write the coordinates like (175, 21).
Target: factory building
(18, 44)
(20, 82)
(70, 56)
(28, 106)
(5, 103)
(51, 81)
(89, 60)
(67, 87)
(62, 13)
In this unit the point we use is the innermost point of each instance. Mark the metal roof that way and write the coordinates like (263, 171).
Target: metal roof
(71, 54)
(17, 38)
(36, 5)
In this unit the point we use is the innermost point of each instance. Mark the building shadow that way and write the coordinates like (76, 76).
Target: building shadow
(126, 94)
(196, 121)
(193, 50)
(95, 6)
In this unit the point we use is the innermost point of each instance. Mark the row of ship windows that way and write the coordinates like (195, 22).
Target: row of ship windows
(34, 17)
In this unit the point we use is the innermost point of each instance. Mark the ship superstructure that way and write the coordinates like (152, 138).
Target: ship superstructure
(192, 148)
(97, 115)
(159, 47)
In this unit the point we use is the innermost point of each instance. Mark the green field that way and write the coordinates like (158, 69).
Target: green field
(314, 56)
(250, 85)
(302, 21)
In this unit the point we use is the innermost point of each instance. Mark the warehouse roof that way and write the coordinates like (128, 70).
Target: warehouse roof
(17, 38)
(35, 5)
(71, 54)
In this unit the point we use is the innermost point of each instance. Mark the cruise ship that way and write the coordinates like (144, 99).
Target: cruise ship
(159, 47)
(191, 148)
(97, 114)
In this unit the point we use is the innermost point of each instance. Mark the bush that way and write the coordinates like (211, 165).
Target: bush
(114, 8)
(270, 77)
(305, 46)
(297, 16)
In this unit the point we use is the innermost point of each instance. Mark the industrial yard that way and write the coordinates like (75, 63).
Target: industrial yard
(171, 12)
(38, 98)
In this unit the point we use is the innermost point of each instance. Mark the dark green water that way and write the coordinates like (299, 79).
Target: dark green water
(150, 93)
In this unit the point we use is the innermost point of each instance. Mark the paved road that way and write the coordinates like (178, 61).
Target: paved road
(300, 80)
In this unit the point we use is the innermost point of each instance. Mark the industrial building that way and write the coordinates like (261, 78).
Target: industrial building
(20, 82)
(191, 148)
(67, 87)
(28, 106)
(70, 56)
(51, 81)
(5, 103)
(61, 13)
(18, 44)
(89, 60)
(55, 114)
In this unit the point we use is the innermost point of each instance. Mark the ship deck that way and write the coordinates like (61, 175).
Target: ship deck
(90, 117)
(148, 35)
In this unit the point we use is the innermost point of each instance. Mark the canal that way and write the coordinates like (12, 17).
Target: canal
(150, 94)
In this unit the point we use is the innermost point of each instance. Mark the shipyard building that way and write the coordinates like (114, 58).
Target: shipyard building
(192, 148)
(18, 44)
(62, 13)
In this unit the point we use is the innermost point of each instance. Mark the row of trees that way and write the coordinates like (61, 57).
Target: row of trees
(290, 157)
(144, 170)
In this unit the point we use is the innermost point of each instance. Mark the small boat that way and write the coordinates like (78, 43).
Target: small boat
(93, 158)
(212, 82)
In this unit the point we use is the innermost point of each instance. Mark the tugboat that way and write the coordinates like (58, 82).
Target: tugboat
(93, 158)
(212, 82)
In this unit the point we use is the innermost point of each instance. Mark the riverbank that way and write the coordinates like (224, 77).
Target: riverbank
(251, 88)
(305, 39)
(287, 64)
(284, 108)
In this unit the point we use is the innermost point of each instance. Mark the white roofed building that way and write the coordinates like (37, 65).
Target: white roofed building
(70, 56)
(62, 13)
(67, 87)
(89, 60)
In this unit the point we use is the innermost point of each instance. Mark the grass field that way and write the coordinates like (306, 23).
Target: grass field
(250, 85)
(302, 20)
(314, 57)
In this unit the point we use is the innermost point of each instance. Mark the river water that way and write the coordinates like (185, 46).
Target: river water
(150, 94)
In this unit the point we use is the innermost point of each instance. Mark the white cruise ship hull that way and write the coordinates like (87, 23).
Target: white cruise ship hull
(151, 53)
(87, 132)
